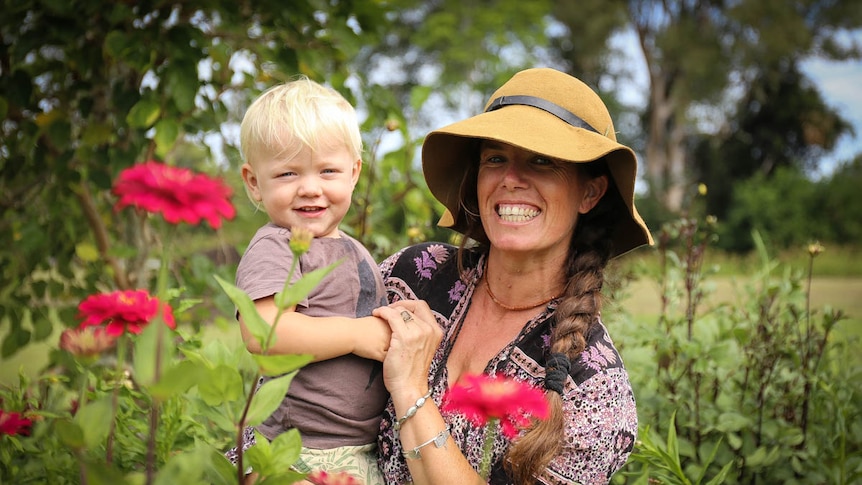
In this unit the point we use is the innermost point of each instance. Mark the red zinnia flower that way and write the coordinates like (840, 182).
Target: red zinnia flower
(13, 423)
(178, 193)
(86, 341)
(129, 310)
(320, 477)
(482, 398)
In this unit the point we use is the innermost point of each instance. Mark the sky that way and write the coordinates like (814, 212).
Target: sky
(841, 87)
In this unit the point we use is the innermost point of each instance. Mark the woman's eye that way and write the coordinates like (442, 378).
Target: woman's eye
(543, 161)
(492, 159)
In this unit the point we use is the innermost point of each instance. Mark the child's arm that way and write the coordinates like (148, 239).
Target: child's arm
(322, 337)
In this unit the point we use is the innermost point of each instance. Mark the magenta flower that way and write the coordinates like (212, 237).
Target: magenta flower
(124, 311)
(14, 423)
(320, 477)
(483, 398)
(177, 193)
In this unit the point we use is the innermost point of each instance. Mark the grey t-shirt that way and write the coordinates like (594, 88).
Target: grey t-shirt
(336, 402)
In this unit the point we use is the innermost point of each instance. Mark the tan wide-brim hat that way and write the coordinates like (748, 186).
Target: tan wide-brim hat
(544, 111)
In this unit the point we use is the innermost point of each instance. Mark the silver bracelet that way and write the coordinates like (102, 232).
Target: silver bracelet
(412, 410)
(438, 441)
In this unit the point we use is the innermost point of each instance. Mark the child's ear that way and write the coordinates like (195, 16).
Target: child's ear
(251, 182)
(357, 169)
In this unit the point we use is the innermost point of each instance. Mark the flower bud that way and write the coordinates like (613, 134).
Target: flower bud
(815, 248)
(300, 240)
(86, 342)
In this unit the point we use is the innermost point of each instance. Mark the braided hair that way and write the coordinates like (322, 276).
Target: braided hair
(578, 311)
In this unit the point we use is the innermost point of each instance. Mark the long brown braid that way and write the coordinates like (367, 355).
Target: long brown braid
(589, 252)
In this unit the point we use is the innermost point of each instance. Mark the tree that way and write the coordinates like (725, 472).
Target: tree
(781, 122)
(700, 54)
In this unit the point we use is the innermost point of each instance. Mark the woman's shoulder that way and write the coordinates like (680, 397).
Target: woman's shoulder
(424, 260)
(429, 271)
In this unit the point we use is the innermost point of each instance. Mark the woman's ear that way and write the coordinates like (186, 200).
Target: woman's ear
(251, 182)
(594, 190)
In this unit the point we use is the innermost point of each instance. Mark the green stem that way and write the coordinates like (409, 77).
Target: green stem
(162, 292)
(488, 448)
(264, 351)
(122, 343)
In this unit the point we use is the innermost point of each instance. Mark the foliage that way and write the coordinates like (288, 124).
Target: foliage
(90, 88)
(790, 209)
(699, 56)
(155, 405)
(782, 122)
(754, 391)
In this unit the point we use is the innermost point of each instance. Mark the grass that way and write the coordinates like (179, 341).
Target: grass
(641, 298)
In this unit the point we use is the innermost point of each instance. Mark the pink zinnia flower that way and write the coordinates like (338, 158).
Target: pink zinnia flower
(14, 423)
(86, 341)
(320, 477)
(124, 311)
(482, 398)
(178, 193)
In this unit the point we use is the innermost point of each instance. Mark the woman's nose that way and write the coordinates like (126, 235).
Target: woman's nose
(513, 175)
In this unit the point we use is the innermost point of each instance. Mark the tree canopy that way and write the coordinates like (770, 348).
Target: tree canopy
(89, 88)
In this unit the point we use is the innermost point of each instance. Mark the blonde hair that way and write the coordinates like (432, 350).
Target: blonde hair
(300, 113)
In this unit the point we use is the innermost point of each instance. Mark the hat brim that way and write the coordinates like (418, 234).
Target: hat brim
(446, 155)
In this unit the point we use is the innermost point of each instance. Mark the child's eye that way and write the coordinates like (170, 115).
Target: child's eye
(287, 174)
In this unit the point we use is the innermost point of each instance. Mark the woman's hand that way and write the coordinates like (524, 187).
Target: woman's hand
(415, 337)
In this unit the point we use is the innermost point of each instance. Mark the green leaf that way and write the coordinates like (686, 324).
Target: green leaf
(87, 252)
(167, 131)
(754, 460)
(183, 86)
(70, 434)
(219, 470)
(250, 317)
(722, 475)
(732, 421)
(267, 399)
(260, 455)
(276, 365)
(297, 292)
(287, 446)
(188, 467)
(94, 418)
(222, 385)
(101, 473)
(179, 379)
(154, 343)
(143, 114)
(15, 340)
(672, 443)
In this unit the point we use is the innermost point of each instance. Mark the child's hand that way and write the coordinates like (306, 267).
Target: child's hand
(372, 338)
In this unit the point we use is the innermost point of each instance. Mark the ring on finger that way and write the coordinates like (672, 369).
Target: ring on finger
(406, 316)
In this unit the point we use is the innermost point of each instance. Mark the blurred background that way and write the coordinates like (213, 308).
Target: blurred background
(746, 116)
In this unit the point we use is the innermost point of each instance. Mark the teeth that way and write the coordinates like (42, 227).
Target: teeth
(512, 213)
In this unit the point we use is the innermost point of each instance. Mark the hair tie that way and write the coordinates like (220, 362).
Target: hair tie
(556, 371)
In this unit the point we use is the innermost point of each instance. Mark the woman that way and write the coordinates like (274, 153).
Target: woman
(540, 184)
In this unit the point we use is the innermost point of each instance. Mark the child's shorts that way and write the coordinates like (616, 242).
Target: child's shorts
(358, 461)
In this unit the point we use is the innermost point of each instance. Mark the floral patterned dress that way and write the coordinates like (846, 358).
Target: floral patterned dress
(597, 400)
